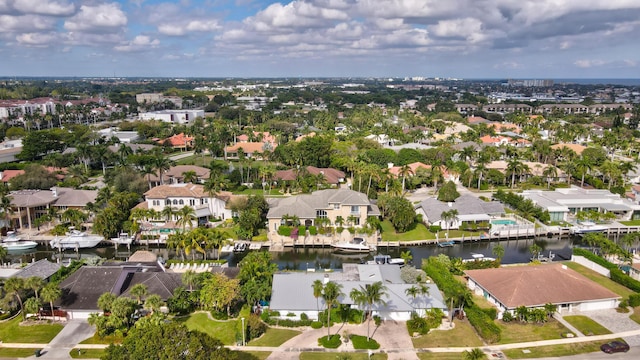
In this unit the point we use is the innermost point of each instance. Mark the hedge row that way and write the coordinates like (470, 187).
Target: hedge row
(616, 274)
(483, 324)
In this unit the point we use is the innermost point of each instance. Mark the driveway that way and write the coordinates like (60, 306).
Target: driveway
(614, 322)
(73, 333)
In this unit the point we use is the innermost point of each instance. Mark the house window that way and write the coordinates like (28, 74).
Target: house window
(355, 210)
(322, 214)
(192, 202)
(356, 221)
(175, 202)
(181, 202)
(336, 206)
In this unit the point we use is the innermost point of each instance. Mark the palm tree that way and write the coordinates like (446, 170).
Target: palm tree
(370, 294)
(168, 213)
(498, 251)
(153, 303)
(186, 216)
(13, 287)
(176, 241)
(34, 283)
(449, 217)
(161, 164)
(189, 176)
(405, 171)
(105, 301)
(190, 278)
(215, 239)
(51, 293)
(550, 172)
(139, 291)
(330, 293)
(474, 354)
(535, 250)
(583, 165)
(317, 292)
(406, 256)
(515, 167)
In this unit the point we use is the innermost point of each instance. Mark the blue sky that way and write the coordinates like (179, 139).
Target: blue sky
(307, 38)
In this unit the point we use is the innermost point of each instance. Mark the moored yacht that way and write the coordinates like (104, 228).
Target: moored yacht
(356, 245)
(13, 242)
(76, 240)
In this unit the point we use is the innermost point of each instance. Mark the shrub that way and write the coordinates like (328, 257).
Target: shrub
(491, 312)
(316, 325)
(434, 228)
(332, 342)
(377, 320)
(255, 327)
(634, 300)
(360, 342)
(291, 314)
(484, 325)
(219, 315)
(313, 230)
(507, 316)
(284, 230)
(417, 324)
(304, 316)
(616, 274)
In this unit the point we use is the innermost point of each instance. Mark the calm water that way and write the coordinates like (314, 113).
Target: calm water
(516, 251)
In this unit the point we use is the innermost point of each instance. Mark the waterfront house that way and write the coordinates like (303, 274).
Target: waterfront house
(472, 212)
(533, 286)
(179, 195)
(399, 306)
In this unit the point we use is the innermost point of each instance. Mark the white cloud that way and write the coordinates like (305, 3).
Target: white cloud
(97, 18)
(585, 63)
(25, 23)
(44, 7)
(181, 29)
(37, 39)
(139, 43)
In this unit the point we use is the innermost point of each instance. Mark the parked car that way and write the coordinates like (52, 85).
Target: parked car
(614, 347)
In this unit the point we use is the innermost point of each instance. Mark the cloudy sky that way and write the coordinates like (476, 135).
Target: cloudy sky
(264, 38)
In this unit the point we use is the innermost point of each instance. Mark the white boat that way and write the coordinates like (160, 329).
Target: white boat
(76, 240)
(386, 260)
(255, 246)
(478, 257)
(355, 245)
(226, 249)
(585, 227)
(14, 242)
(123, 239)
(239, 247)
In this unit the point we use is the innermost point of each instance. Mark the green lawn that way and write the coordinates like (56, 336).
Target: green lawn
(630, 222)
(334, 356)
(16, 353)
(86, 353)
(586, 325)
(439, 356)
(225, 331)
(554, 350)
(197, 160)
(462, 334)
(420, 232)
(251, 355)
(636, 314)
(274, 337)
(273, 192)
(597, 278)
(12, 332)
(515, 332)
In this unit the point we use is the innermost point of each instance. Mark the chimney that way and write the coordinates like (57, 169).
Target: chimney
(326, 279)
(450, 204)
(389, 165)
(54, 191)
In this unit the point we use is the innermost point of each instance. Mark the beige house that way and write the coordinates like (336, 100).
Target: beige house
(352, 207)
(180, 195)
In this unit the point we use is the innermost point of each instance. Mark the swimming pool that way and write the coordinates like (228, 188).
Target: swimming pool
(504, 222)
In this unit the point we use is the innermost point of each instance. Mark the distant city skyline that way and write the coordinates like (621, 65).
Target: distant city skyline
(471, 39)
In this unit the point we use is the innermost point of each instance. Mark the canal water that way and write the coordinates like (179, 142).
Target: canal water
(516, 251)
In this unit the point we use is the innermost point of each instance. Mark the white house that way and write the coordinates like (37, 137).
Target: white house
(399, 305)
(173, 116)
(187, 194)
(471, 210)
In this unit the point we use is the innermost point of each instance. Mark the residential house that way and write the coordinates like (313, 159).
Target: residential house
(562, 202)
(534, 169)
(333, 177)
(252, 146)
(413, 167)
(472, 212)
(576, 148)
(507, 108)
(398, 306)
(31, 204)
(501, 140)
(175, 175)
(179, 141)
(535, 286)
(9, 150)
(173, 116)
(180, 195)
(352, 207)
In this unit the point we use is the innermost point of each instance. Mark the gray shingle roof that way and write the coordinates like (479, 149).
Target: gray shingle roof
(41, 268)
(305, 206)
(465, 204)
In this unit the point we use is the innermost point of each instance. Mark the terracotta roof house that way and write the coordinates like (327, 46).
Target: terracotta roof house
(398, 305)
(264, 141)
(175, 175)
(395, 170)
(535, 169)
(331, 176)
(187, 194)
(577, 148)
(536, 285)
(179, 141)
(30, 204)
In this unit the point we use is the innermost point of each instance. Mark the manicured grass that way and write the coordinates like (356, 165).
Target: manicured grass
(197, 160)
(266, 192)
(225, 331)
(515, 332)
(16, 352)
(274, 337)
(330, 342)
(86, 353)
(554, 350)
(597, 278)
(439, 356)
(251, 355)
(636, 314)
(420, 232)
(462, 334)
(95, 339)
(360, 342)
(630, 222)
(334, 356)
(586, 325)
(13, 332)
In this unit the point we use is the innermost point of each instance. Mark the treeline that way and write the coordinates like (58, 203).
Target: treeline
(524, 207)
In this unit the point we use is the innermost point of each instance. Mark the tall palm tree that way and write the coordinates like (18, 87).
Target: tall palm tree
(153, 303)
(189, 177)
(186, 216)
(13, 287)
(34, 283)
(317, 292)
(216, 239)
(474, 354)
(331, 291)
(139, 291)
(370, 295)
(190, 278)
(51, 293)
(168, 212)
(550, 172)
(448, 217)
(161, 164)
(405, 171)
(515, 167)
(583, 165)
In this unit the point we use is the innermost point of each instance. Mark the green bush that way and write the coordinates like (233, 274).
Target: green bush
(255, 327)
(507, 316)
(418, 324)
(219, 315)
(284, 230)
(634, 300)
(360, 342)
(492, 313)
(316, 325)
(483, 324)
(313, 230)
(434, 228)
(333, 342)
(304, 316)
